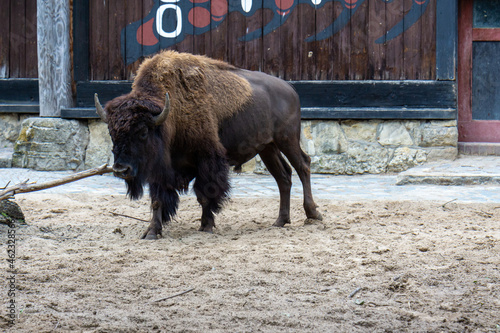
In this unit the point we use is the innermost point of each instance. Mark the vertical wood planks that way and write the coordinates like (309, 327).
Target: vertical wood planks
(17, 39)
(133, 12)
(99, 40)
(271, 53)
(218, 35)
(5, 41)
(236, 49)
(428, 46)
(307, 51)
(253, 58)
(326, 52)
(358, 50)
(31, 43)
(412, 47)
(376, 51)
(394, 47)
(116, 22)
(359, 43)
(290, 39)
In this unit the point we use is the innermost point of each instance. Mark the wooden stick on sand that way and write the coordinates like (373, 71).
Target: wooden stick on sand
(25, 186)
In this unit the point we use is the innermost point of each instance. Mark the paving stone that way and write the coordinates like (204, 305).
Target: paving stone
(333, 187)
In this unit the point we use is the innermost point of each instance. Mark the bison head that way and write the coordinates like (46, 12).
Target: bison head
(135, 126)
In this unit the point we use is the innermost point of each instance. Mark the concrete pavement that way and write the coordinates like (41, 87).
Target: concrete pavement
(473, 179)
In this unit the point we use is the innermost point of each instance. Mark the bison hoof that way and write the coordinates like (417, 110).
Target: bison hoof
(316, 216)
(208, 229)
(150, 236)
(281, 222)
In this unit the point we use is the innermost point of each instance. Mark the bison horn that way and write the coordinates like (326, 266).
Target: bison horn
(100, 110)
(164, 114)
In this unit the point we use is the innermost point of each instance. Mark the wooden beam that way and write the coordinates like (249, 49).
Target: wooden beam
(486, 35)
(54, 68)
(446, 39)
(23, 91)
(323, 99)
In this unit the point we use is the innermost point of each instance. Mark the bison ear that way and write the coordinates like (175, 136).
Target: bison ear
(160, 119)
(100, 110)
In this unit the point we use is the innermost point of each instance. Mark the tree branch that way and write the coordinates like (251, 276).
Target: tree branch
(25, 187)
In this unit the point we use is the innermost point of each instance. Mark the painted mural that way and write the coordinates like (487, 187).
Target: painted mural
(169, 21)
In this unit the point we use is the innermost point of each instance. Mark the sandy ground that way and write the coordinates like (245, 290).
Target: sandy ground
(368, 267)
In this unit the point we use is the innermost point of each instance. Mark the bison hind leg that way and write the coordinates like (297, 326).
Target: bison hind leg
(282, 173)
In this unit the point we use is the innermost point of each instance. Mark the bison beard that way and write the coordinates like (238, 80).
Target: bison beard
(190, 117)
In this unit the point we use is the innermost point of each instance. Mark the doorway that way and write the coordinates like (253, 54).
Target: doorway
(479, 73)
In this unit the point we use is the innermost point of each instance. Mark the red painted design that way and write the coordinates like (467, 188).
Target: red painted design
(284, 4)
(145, 34)
(199, 17)
(218, 8)
(351, 4)
(282, 12)
(420, 2)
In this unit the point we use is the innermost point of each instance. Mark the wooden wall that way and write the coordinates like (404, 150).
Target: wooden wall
(350, 54)
(18, 39)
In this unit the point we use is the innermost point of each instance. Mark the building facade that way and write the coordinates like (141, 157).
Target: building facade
(384, 85)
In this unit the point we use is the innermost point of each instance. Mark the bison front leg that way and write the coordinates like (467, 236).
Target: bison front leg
(164, 203)
(155, 227)
(212, 188)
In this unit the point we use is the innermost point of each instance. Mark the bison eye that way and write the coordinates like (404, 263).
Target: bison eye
(143, 134)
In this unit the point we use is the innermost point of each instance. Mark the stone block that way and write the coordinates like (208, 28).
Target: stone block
(441, 153)
(394, 133)
(322, 137)
(404, 158)
(365, 157)
(436, 134)
(51, 144)
(99, 150)
(361, 130)
(10, 125)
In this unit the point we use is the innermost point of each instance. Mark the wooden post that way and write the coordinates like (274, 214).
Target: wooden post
(54, 71)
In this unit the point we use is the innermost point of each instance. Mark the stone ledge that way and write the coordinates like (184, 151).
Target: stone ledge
(479, 148)
(466, 170)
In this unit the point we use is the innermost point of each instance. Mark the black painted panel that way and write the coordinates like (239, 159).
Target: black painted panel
(422, 94)
(20, 108)
(486, 81)
(325, 99)
(24, 91)
(107, 90)
(378, 113)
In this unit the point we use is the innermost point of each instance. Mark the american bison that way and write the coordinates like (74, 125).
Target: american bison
(191, 117)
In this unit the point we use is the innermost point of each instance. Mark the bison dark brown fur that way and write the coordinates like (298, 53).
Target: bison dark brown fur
(191, 117)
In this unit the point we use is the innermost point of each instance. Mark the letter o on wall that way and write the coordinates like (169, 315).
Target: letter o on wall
(159, 21)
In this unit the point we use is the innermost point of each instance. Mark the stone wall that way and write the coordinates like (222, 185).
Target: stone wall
(376, 146)
(337, 147)
(51, 144)
(10, 126)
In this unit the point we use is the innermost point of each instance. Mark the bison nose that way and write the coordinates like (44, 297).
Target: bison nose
(122, 170)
